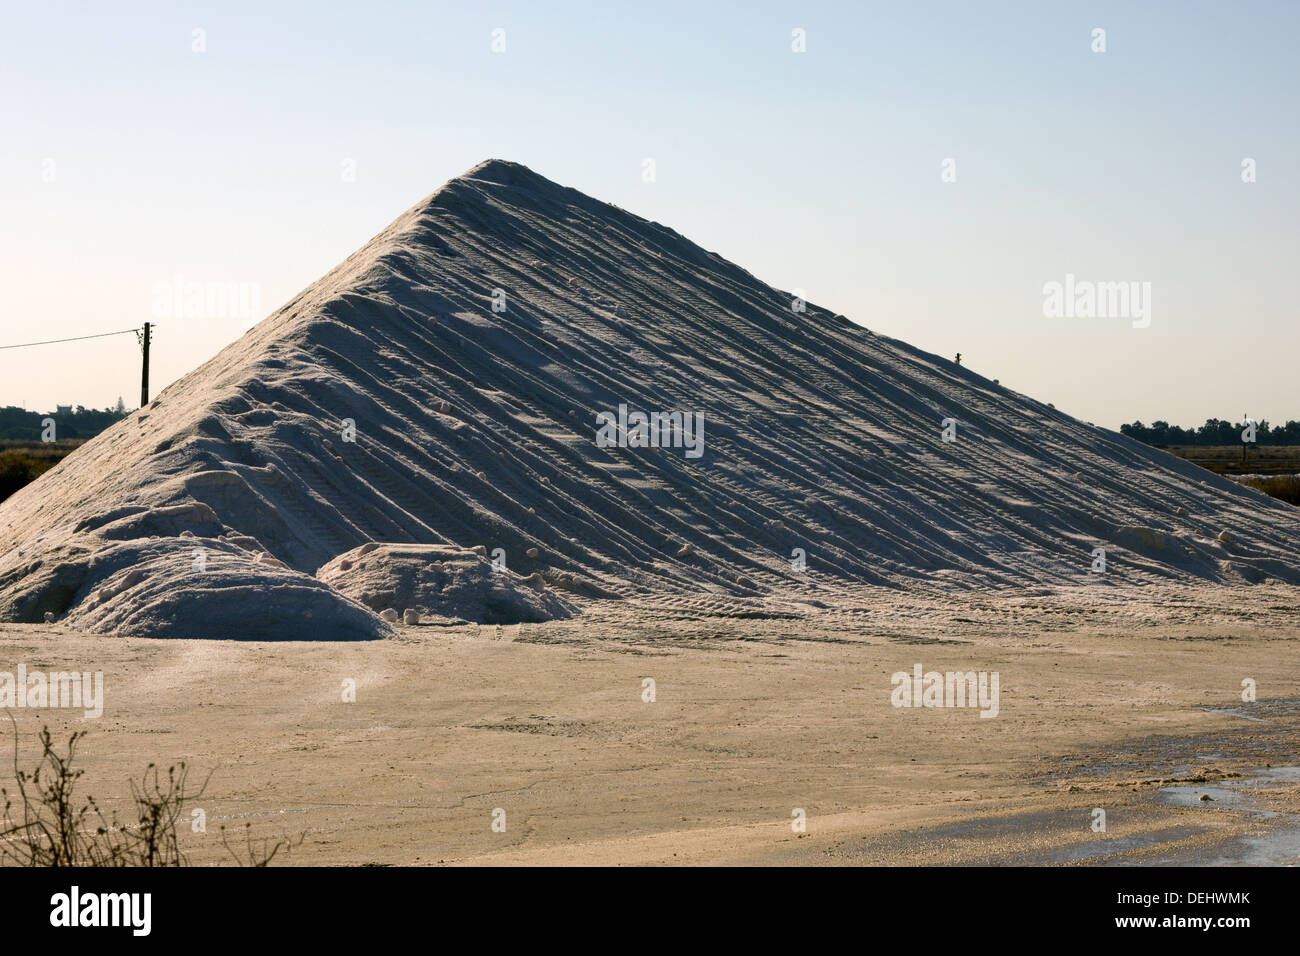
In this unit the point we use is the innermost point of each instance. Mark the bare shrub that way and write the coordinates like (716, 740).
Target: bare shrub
(47, 824)
(57, 827)
(253, 854)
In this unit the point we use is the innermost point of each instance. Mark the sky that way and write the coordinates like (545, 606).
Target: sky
(926, 169)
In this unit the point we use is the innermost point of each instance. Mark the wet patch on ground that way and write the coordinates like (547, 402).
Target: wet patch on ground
(1030, 837)
(1164, 757)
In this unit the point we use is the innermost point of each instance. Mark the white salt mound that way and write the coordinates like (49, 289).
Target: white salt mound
(817, 436)
(151, 588)
(442, 581)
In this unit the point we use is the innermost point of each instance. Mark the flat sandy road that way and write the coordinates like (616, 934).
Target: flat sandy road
(1131, 706)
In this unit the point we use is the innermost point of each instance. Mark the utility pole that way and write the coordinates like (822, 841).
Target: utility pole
(144, 372)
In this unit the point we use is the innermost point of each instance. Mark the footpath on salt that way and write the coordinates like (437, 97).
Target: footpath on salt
(435, 402)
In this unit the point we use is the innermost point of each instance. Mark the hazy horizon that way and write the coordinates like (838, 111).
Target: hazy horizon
(262, 152)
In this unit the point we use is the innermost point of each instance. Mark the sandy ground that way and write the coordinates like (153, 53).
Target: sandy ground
(1133, 707)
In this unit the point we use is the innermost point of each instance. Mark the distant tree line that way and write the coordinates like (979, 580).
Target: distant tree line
(80, 422)
(1215, 431)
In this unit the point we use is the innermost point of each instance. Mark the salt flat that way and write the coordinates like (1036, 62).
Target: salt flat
(753, 717)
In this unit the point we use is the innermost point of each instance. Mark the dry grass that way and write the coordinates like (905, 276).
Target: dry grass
(22, 462)
(1227, 459)
(1283, 487)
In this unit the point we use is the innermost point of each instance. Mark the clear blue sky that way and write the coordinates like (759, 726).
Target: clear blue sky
(818, 171)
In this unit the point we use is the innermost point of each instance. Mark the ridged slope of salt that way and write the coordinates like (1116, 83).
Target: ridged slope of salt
(476, 427)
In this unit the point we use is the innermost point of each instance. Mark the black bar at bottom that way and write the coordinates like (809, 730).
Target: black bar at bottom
(947, 906)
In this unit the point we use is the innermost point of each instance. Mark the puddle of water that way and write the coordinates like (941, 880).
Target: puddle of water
(1271, 775)
(1279, 847)
(991, 836)
(1233, 794)
(1105, 847)
(1226, 796)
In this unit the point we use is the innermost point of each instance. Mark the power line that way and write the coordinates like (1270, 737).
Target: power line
(78, 338)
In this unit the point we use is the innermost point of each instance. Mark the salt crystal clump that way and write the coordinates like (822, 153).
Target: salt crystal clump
(440, 583)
